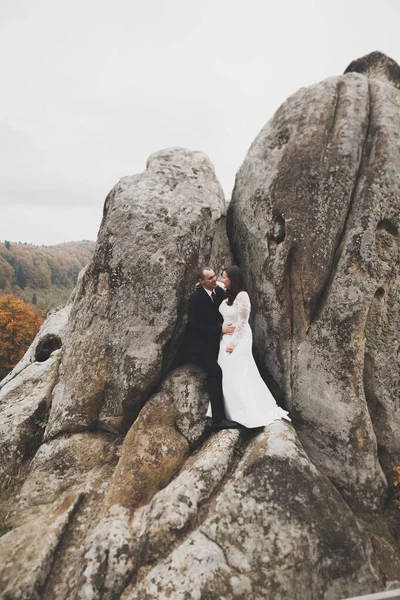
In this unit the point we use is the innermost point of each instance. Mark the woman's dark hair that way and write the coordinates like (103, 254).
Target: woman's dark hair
(237, 283)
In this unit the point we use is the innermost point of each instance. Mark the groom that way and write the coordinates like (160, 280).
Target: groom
(205, 328)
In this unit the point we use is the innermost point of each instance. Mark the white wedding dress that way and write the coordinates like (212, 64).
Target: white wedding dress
(247, 399)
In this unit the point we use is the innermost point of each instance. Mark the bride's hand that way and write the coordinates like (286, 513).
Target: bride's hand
(228, 329)
(230, 348)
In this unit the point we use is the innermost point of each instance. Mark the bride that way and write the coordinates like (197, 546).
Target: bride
(247, 399)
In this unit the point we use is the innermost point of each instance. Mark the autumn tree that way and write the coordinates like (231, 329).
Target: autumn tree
(18, 326)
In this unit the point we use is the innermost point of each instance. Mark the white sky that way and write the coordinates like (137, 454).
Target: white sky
(91, 87)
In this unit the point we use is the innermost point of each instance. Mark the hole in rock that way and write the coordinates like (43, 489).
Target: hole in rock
(281, 139)
(46, 346)
(369, 387)
(380, 292)
(279, 230)
(387, 226)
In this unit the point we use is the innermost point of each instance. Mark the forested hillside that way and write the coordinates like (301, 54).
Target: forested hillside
(43, 276)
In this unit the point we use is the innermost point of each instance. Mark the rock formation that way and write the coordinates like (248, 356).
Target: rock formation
(314, 220)
(113, 487)
(127, 319)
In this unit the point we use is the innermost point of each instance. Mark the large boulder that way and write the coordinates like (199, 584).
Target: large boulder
(152, 452)
(128, 315)
(154, 449)
(314, 222)
(276, 529)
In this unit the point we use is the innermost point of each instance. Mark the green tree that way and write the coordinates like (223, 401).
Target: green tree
(7, 244)
(20, 276)
(34, 299)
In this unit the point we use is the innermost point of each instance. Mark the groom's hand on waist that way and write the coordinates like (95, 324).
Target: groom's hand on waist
(228, 329)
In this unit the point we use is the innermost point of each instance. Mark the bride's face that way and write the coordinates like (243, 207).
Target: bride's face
(226, 281)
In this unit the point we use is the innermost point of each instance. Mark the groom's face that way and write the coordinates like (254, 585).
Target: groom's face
(209, 280)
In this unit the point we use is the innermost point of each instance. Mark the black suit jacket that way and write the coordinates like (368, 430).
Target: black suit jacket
(205, 322)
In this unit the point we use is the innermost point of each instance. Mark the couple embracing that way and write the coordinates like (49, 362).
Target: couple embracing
(221, 342)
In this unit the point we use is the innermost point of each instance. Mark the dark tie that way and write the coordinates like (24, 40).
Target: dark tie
(213, 295)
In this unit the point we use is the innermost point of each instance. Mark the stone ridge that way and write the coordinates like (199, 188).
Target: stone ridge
(314, 221)
(376, 65)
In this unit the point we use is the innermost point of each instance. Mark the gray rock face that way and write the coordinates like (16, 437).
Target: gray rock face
(65, 462)
(120, 545)
(24, 406)
(314, 221)
(273, 531)
(185, 389)
(174, 509)
(27, 554)
(153, 451)
(52, 513)
(128, 314)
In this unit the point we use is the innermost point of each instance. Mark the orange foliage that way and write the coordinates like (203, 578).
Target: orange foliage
(396, 486)
(18, 326)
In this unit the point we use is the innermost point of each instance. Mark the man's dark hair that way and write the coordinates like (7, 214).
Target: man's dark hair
(200, 273)
(237, 283)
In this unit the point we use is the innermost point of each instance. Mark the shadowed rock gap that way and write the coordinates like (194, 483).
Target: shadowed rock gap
(377, 369)
(289, 328)
(279, 230)
(46, 346)
(388, 226)
(369, 388)
(56, 554)
(63, 565)
(333, 122)
(361, 170)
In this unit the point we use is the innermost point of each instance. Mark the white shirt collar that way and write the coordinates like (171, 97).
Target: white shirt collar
(208, 291)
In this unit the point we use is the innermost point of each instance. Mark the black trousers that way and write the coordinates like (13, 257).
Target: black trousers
(214, 382)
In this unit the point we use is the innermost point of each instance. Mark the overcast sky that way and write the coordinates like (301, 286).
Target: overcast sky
(91, 87)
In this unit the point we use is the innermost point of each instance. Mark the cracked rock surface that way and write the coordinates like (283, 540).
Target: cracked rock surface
(314, 220)
(275, 515)
(128, 314)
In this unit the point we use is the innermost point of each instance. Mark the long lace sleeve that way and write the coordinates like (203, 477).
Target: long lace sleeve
(243, 303)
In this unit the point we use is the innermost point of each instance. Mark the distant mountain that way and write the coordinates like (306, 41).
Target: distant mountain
(43, 276)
